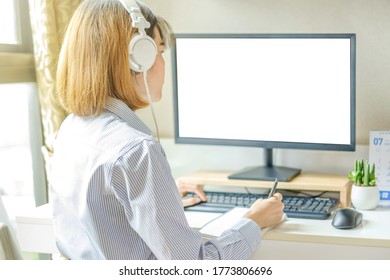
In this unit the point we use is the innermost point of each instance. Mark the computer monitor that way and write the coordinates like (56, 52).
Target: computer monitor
(292, 91)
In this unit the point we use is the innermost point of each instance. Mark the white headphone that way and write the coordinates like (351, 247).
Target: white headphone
(142, 48)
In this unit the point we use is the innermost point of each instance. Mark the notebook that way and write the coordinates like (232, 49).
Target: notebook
(217, 226)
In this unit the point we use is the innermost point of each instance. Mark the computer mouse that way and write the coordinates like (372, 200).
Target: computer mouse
(347, 218)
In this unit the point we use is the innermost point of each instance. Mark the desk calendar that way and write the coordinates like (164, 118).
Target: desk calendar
(380, 155)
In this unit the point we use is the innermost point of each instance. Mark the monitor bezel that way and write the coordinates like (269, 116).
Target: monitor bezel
(269, 144)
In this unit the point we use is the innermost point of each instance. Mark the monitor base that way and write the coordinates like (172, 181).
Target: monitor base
(266, 173)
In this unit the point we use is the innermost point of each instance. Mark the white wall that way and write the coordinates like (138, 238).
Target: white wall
(369, 19)
(185, 159)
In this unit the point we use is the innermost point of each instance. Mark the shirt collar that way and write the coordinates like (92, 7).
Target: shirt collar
(120, 109)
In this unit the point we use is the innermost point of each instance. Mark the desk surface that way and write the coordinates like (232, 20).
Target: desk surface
(374, 232)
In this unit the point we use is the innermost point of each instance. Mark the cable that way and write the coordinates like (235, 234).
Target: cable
(151, 104)
(247, 190)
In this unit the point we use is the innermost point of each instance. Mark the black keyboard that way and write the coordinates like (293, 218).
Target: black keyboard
(305, 207)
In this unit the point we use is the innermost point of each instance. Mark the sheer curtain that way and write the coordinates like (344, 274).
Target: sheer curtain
(49, 19)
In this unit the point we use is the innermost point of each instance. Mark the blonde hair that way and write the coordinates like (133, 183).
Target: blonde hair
(94, 62)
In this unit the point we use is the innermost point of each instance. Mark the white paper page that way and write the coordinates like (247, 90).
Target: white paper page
(197, 220)
(217, 226)
(224, 222)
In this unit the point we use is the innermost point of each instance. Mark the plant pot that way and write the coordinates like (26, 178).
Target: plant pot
(365, 198)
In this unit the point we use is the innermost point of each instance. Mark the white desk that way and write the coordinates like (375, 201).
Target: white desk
(316, 239)
(294, 239)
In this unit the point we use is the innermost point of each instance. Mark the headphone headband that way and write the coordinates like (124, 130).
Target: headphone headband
(137, 19)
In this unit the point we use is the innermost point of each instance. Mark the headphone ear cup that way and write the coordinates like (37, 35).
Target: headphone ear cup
(142, 52)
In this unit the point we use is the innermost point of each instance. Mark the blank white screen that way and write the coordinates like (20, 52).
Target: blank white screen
(264, 89)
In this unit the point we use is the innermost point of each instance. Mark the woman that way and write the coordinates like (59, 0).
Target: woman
(113, 193)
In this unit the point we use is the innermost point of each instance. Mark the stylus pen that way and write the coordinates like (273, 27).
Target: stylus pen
(273, 190)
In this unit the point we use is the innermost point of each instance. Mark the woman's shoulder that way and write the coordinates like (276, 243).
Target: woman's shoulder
(105, 132)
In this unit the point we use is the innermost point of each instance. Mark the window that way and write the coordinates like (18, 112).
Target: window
(15, 32)
(16, 173)
(8, 18)
(22, 177)
(15, 158)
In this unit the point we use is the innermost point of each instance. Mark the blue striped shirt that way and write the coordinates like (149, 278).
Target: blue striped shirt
(114, 197)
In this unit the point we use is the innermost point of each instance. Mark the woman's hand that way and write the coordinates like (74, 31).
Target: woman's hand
(267, 212)
(186, 188)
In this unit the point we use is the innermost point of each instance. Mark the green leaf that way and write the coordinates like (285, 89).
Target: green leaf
(372, 173)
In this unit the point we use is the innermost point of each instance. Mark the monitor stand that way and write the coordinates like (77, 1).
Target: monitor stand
(269, 172)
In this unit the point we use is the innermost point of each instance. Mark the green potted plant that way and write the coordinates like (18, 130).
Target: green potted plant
(365, 192)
